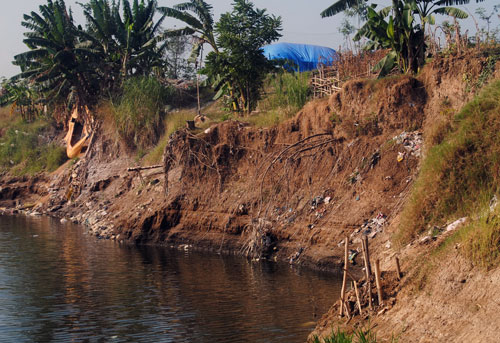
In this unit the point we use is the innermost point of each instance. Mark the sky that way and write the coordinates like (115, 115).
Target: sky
(302, 22)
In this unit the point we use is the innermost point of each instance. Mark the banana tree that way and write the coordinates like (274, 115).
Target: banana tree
(58, 63)
(400, 34)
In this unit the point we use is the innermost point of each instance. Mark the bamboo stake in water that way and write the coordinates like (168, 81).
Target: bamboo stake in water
(377, 281)
(357, 297)
(344, 280)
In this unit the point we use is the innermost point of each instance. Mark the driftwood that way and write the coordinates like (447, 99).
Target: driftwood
(144, 168)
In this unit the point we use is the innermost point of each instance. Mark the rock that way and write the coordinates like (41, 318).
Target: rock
(63, 220)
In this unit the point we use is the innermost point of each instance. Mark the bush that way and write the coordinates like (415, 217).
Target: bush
(140, 111)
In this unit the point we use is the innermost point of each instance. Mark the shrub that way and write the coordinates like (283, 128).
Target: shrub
(140, 111)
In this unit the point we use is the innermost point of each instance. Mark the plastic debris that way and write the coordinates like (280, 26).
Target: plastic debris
(493, 203)
(327, 200)
(456, 224)
(316, 201)
(352, 256)
(401, 156)
(412, 142)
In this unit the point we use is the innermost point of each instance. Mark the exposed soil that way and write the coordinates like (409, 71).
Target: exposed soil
(292, 192)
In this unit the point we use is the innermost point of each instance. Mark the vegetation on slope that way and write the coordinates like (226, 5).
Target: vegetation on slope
(28, 148)
(460, 178)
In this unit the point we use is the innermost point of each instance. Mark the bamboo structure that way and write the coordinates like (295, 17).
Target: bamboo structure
(325, 82)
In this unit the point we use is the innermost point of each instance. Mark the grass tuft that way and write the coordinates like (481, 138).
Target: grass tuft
(359, 336)
(140, 111)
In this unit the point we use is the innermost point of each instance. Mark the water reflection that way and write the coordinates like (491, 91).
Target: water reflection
(57, 284)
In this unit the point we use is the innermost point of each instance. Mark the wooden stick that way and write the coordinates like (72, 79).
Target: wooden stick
(344, 280)
(377, 281)
(370, 304)
(347, 310)
(367, 252)
(398, 268)
(357, 297)
(145, 168)
(364, 245)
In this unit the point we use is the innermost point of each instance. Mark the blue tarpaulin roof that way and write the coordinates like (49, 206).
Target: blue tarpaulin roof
(305, 56)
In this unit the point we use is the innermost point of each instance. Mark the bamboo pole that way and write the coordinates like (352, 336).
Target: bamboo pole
(357, 297)
(377, 281)
(344, 280)
(398, 268)
(364, 245)
(367, 252)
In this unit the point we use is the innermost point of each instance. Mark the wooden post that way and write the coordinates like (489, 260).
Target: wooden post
(344, 280)
(357, 297)
(364, 245)
(377, 281)
(367, 253)
(398, 268)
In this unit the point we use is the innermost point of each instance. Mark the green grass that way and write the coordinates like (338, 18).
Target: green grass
(27, 148)
(359, 336)
(173, 122)
(286, 92)
(140, 111)
(458, 178)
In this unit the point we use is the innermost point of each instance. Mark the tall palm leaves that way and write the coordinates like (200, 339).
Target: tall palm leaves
(424, 7)
(58, 62)
(197, 14)
(128, 41)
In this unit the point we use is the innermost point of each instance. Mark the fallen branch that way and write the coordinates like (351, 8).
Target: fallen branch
(144, 168)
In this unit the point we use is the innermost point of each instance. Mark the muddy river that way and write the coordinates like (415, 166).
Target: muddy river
(58, 284)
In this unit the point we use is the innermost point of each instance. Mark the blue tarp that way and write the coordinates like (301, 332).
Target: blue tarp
(305, 56)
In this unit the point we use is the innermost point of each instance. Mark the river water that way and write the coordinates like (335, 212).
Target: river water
(58, 284)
